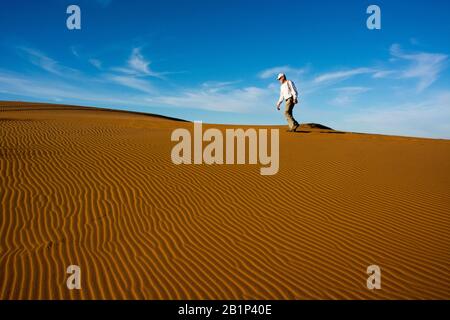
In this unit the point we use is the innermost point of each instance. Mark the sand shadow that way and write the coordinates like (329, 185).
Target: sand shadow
(333, 132)
(330, 132)
(302, 131)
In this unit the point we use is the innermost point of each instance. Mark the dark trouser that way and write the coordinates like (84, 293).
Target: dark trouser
(288, 113)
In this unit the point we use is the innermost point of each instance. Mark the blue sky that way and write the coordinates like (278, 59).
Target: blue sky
(216, 61)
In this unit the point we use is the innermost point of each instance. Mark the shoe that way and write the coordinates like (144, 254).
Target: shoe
(295, 127)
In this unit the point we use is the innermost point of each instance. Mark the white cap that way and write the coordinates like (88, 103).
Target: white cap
(280, 75)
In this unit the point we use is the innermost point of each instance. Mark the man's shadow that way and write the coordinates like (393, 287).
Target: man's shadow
(329, 132)
(305, 126)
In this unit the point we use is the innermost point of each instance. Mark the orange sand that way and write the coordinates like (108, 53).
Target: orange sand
(97, 188)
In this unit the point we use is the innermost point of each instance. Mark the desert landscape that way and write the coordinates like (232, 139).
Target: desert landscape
(97, 188)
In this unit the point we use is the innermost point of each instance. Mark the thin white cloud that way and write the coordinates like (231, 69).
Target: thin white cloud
(138, 63)
(96, 63)
(54, 89)
(74, 51)
(352, 90)
(129, 77)
(139, 66)
(425, 118)
(46, 63)
(341, 75)
(347, 95)
(134, 83)
(217, 86)
(272, 72)
(243, 100)
(383, 73)
(423, 66)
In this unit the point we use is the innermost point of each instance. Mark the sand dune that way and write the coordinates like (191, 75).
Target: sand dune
(97, 188)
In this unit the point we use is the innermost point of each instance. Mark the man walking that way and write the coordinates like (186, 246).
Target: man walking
(288, 93)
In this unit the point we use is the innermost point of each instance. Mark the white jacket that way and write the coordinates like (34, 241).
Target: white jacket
(287, 90)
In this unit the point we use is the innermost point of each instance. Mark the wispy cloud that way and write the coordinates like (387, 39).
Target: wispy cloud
(132, 76)
(346, 95)
(423, 66)
(341, 75)
(96, 63)
(46, 63)
(134, 83)
(272, 72)
(242, 100)
(352, 90)
(426, 118)
(139, 66)
(44, 88)
(383, 73)
(217, 86)
(74, 51)
(138, 63)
